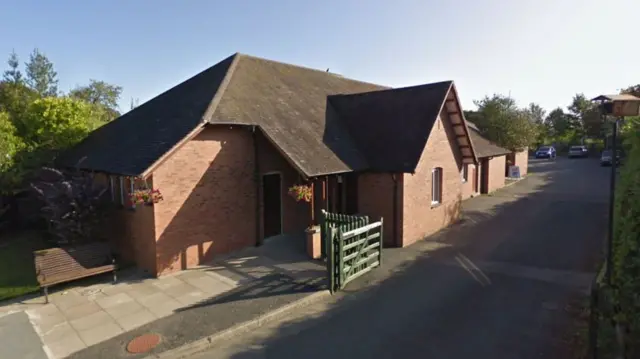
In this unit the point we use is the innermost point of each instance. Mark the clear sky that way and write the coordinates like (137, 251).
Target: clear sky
(538, 50)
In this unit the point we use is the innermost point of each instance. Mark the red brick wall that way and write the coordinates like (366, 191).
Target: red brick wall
(375, 199)
(467, 187)
(522, 160)
(496, 172)
(420, 218)
(209, 199)
(210, 195)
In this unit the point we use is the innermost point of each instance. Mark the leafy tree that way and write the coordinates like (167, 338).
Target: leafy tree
(558, 121)
(632, 90)
(102, 95)
(502, 122)
(13, 74)
(58, 123)
(10, 142)
(41, 77)
(536, 113)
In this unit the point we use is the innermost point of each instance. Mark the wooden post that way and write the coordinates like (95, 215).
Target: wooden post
(313, 203)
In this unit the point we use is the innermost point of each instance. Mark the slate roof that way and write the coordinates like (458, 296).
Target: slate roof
(391, 127)
(289, 104)
(324, 123)
(482, 146)
(131, 143)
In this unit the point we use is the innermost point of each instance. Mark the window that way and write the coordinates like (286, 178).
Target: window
(436, 185)
(464, 173)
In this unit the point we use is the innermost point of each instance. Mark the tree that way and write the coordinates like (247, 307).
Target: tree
(501, 121)
(102, 95)
(41, 77)
(535, 112)
(10, 142)
(58, 123)
(13, 74)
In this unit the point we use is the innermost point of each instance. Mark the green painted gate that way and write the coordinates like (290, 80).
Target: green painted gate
(353, 247)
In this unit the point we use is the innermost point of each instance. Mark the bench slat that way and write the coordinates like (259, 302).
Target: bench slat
(78, 275)
(58, 265)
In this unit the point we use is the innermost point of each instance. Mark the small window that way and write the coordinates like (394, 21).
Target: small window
(436, 185)
(464, 173)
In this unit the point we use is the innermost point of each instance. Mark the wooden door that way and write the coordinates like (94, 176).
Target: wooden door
(272, 202)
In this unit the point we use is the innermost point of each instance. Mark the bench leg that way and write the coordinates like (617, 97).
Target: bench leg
(115, 277)
(46, 295)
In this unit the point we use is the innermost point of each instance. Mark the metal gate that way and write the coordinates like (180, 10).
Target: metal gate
(353, 247)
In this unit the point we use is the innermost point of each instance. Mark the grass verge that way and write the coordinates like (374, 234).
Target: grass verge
(17, 272)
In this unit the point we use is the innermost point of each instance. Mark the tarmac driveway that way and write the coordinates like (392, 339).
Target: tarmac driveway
(493, 286)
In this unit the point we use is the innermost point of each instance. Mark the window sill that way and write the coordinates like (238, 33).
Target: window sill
(435, 204)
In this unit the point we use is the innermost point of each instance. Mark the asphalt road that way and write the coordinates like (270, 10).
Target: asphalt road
(494, 286)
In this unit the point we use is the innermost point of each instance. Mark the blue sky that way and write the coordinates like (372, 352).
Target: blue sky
(543, 51)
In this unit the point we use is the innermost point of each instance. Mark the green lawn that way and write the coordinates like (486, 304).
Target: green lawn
(17, 272)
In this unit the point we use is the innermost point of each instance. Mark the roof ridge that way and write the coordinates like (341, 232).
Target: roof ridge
(308, 68)
(389, 89)
(208, 113)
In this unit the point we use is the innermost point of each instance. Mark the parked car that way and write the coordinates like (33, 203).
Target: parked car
(546, 152)
(606, 158)
(578, 152)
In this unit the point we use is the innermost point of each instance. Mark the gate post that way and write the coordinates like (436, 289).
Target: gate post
(340, 258)
(330, 255)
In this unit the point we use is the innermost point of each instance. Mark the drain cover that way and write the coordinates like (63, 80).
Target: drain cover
(143, 343)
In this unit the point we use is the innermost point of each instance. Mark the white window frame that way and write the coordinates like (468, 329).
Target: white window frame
(437, 178)
(464, 173)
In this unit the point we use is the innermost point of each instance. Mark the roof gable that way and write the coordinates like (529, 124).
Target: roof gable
(392, 127)
(482, 146)
(132, 143)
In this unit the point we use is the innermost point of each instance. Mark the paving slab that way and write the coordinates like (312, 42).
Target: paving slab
(100, 333)
(81, 310)
(136, 319)
(142, 290)
(208, 317)
(91, 321)
(114, 300)
(62, 341)
(124, 309)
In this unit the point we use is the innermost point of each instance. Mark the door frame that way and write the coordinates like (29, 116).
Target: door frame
(271, 173)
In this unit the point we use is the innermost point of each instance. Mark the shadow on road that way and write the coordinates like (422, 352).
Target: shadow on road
(418, 309)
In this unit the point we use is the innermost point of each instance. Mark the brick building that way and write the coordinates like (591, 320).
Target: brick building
(225, 146)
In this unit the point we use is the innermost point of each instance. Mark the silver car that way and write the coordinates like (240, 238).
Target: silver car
(606, 159)
(578, 152)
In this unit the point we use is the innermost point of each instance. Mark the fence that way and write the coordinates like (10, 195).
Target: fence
(354, 247)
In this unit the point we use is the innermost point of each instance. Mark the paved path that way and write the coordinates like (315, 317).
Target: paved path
(494, 286)
(92, 318)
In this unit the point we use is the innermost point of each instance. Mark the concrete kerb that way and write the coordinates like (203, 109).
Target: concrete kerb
(241, 328)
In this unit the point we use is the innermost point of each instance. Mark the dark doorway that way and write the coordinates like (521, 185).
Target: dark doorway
(352, 193)
(272, 202)
(484, 176)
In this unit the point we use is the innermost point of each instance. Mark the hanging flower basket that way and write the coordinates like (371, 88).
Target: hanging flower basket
(301, 192)
(145, 196)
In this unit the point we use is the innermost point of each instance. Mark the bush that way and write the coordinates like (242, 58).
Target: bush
(72, 205)
(626, 251)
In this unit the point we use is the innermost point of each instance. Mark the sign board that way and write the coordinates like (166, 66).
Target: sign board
(514, 172)
(626, 108)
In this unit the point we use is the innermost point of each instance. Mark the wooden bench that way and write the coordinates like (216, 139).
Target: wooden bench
(60, 265)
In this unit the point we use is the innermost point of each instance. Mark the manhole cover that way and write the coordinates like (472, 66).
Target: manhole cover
(143, 343)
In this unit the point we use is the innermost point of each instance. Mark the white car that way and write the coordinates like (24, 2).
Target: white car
(578, 152)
